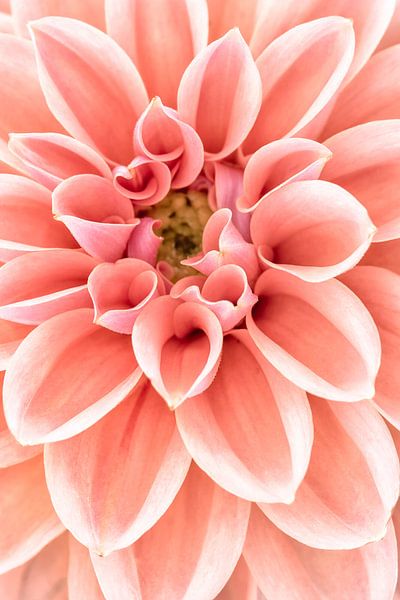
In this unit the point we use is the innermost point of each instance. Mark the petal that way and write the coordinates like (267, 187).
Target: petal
(108, 94)
(300, 72)
(352, 483)
(235, 13)
(385, 254)
(149, 29)
(140, 436)
(27, 519)
(11, 335)
(391, 36)
(144, 180)
(312, 229)
(300, 329)
(178, 346)
(82, 580)
(51, 157)
(226, 192)
(65, 376)
(220, 94)
(263, 444)
(6, 23)
(283, 567)
(181, 557)
(144, 243)
(240, 585)
(365, 162)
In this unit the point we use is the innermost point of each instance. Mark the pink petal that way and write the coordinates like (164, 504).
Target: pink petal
(6, 23)
(300, 72)
(279, 163)
(27, 519)
(365, 162)
(240, 585)
(220, 95)
(391, 36)
(385, 254)
(121, 290)
(175, 30)
(235, 13)
(178, 346)
(283, 567)
(300, 329)
(51, 157)
(108, 95)
(139, 436)
(145, 181)
(312, 229)
(11, 335)
(99, 218)
(38, 285)
(82, 580)
(65, 376)
(351, 485)
(26, 220)
(144, 243)
(189, 554)
(263, 445)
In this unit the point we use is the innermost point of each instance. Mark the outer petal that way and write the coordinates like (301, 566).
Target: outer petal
(182, 556)
(108, 94)
(241, 584)
(175, 30)
(220, 95)
(82, 580)
(284, 569)
(235, 13)
(27, 519)
(139, 436)
(385, 254)
(352, 483)
(11, 335)
(365, 162)
(178, 346)
(318, 335)
(257, 423)
(65, 376)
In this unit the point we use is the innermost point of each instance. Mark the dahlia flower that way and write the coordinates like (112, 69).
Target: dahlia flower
(199, 299)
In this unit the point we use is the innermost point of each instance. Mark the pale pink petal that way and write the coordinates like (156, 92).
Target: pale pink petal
(27, 518)
(82, 580)
(300, 71)
(144, 180)
(189, 554)
(98, 217)
(240, 585)
(279, 163)
(108, 508)
(5, 5)
(281, 566)
(8, 162)
(6, 23)
(385, 254)
(312, 229)
(108, 95)
(365, 162)
(11, 335)
(144, 243)
(234, 13)
(175, 30)
(121, 290)
(318, 335)
(396, 523)
(220, 94)
(51, 157)
(65, 376)
(254, 421)
(178, 346)
(351, 485)
(392, 33)
(26, 220)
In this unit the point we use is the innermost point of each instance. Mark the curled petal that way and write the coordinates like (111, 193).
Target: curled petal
(220, 95)
(178, 346)
(99, 218)
(312, 229)
(300, 71)
(144, 243)
(300, 328)
(51, 157)
(226, 193)
(11, 335)
(82, 580)
(365, 162)
(140, 436)
(173, 559)
(272, 556)
(351, 485)
(226, 292)
(279, 163)
(263, 444)
(145, 181)
(120, 291)
(65, 376)
(108, 94)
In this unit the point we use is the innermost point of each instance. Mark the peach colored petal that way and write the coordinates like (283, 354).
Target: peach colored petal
(392, 36)
(144, 242)
(6, 23)
(385, 254)
(226, 15)
(300, 328)
(257, 449)
(220, 94)
(352, 483)
(240, 585)
(226, 192)
(80, 370)
(11, 335)
(189, 554)
(175, 30)
(82, 580)
(145, 181)
(107, 87)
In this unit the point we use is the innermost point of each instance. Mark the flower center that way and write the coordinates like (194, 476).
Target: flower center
(183, 216)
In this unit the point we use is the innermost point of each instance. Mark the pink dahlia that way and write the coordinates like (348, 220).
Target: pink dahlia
(201, 389)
